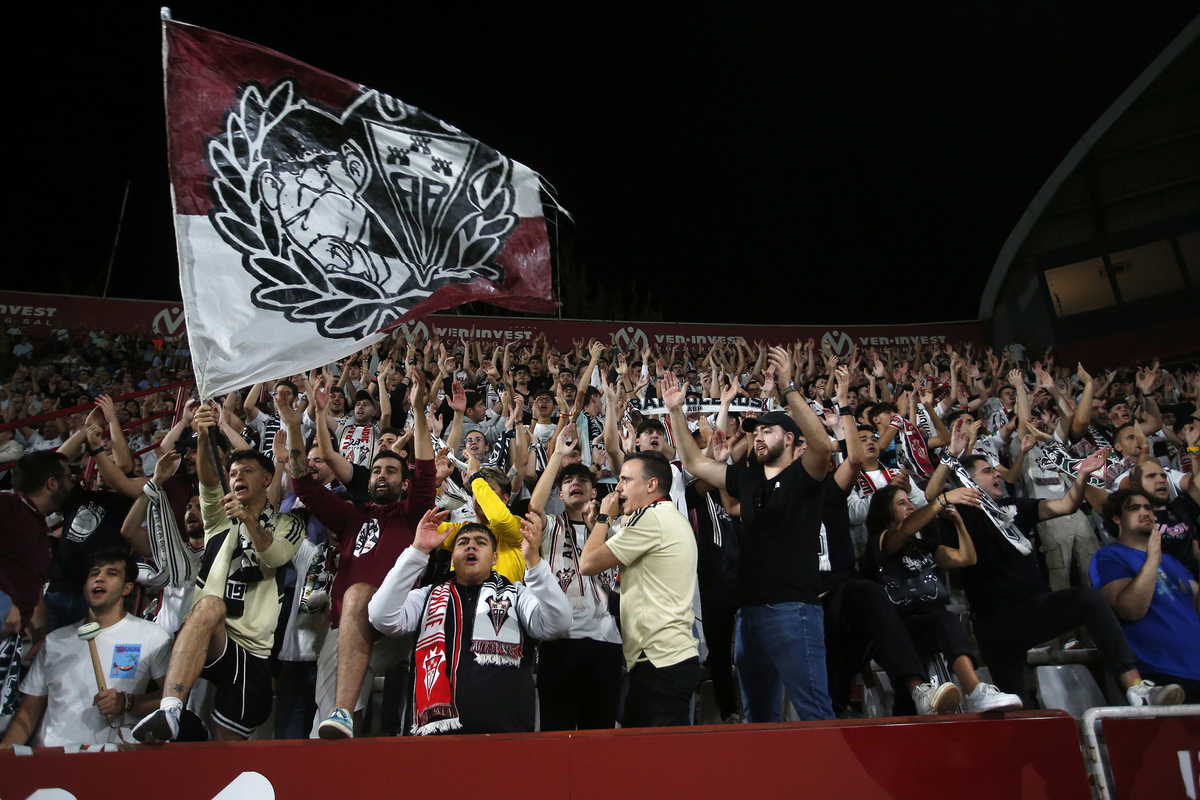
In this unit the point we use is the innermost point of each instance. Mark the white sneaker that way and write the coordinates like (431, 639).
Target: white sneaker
(986, 697)
(1146, 693)
(935, 698)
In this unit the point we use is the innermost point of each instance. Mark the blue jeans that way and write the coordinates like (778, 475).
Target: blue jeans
(295, 699)
(782, 645)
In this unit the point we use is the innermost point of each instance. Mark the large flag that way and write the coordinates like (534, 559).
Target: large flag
(312, 213)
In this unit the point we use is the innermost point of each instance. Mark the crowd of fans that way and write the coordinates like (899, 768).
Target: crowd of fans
(538, 535)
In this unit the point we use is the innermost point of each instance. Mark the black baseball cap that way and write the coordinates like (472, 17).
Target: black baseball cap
(780, 418)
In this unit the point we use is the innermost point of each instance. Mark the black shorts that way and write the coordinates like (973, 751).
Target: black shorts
(243, 684)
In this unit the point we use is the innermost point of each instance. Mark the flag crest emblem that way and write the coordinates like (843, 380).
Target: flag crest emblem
(346, 218)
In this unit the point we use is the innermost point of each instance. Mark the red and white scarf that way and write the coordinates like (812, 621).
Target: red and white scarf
(357, 443)
(867, 486)
(496, 640)
(911, 445)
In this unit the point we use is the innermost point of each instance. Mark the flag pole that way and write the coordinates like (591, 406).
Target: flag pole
(113, 255)
(216, 457)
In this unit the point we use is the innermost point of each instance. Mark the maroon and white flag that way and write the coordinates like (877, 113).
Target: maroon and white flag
(312, 213)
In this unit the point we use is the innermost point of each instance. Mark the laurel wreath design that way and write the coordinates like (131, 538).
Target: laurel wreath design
(342, 305)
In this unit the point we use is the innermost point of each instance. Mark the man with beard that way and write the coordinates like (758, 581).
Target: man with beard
(61, 681)
(356, 439)
(780, 633)
(174, 554)
(1175, 516)
(228, 635)
(371, 538)
(41, 486)
(475, 632)
(1012, 607)
(1156, 599)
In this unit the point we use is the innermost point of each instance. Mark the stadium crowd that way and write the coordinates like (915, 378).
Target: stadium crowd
(553, 536)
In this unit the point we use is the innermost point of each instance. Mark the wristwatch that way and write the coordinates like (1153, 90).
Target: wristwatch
(603, 519)
(784, 391)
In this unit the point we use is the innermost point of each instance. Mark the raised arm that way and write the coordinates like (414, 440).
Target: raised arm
(545, 484)
(250, 405)
(458, 403)
(612, 439)
(1083, 411)
(1070, 502)
(693, 460)
(120, 447)
(1130, 597)
(956, 557)
(816, 455)
(422, 446)
(385, 397)
(130, 487)
(206, 471)
(848, 471)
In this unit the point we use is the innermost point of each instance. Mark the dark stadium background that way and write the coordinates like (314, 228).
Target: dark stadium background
(823, 163)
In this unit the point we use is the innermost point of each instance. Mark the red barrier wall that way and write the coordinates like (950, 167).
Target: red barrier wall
(1024, 755)
(1154, 757)
(39, 314)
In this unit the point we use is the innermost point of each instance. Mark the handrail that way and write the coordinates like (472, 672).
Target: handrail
(180, 386)
(1096, 760)
(89, 405)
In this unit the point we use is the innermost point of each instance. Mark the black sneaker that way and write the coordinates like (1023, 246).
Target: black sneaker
(161, 726)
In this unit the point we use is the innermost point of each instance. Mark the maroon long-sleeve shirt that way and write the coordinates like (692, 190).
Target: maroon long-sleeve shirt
(24, 552)
(371, 537)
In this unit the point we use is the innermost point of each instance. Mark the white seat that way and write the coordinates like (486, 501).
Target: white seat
(1069, 687)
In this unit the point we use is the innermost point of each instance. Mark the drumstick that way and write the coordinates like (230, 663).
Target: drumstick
(88, 631)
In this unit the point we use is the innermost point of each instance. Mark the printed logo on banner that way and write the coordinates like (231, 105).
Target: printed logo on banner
(348, 218)
(412, 330)
(837, 343)
(632, 338)
(168, 322)
(125, 660)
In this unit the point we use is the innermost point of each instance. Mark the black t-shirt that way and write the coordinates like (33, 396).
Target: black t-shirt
(1002, 577)
(490, 698)
(359, 485)
(92, 521)
(781, 526)
(835, 553)
(716, 538)
(1177, 525)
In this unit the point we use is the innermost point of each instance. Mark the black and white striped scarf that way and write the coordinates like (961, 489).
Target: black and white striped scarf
(1005, 521)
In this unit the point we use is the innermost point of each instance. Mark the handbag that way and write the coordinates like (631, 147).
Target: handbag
(912, 581)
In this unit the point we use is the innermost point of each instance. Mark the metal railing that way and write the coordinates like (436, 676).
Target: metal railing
(181, 389)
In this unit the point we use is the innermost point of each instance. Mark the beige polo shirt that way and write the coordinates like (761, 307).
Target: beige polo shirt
(657, 551)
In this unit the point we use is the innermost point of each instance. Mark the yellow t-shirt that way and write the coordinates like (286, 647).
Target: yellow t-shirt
(509, 561)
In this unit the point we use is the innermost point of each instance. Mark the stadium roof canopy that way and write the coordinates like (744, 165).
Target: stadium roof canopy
(1137, 165)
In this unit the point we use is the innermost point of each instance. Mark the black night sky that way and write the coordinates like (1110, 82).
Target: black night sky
(823, 163)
